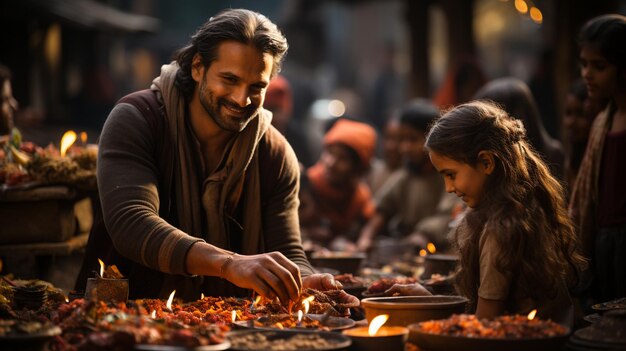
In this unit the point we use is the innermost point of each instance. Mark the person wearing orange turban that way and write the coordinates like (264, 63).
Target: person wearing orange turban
(343, 199)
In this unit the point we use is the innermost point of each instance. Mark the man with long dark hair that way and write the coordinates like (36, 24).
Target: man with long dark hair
(195, 184)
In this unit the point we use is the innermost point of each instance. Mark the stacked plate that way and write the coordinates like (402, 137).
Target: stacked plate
(605, 334)
(29, 296)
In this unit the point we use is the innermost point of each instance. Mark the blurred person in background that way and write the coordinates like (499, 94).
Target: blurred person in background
(598, 202)
(408, 202)
(578, 115)
(462, 80)
(343, 200)
(514, 96)
(279, 101)
(391, 159)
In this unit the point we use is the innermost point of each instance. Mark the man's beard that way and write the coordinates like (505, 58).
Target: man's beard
(212, 107)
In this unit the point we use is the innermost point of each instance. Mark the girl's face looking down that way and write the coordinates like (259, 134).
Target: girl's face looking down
(462, 179)
(600, 75)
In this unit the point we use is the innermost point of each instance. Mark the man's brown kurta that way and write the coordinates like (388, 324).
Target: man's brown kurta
(145, 228)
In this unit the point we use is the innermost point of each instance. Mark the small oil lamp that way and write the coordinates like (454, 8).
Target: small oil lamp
(377, 337)
(108, 286)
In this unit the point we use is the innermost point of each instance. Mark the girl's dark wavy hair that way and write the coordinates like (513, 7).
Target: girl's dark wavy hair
(523, 205)
(608, 34)
(240, 25)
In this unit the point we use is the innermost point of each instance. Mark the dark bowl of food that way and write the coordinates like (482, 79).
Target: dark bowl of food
(607, 333)
(318, 322)
(287, 340)
(18, 335)
(439, 284)
(439, 264)
(504, 333)
(378, 287)
(405, 310)
(618, 304)
(340, 261)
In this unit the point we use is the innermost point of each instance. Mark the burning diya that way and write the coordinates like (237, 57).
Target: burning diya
(377, 336)
(109, 286)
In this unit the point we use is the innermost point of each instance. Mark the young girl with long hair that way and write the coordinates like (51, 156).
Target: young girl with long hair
(517, 246)
(598, 203)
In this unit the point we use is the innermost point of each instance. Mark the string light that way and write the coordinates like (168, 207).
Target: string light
(528, 7)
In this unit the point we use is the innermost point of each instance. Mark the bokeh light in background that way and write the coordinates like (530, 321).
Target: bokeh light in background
(336, 108)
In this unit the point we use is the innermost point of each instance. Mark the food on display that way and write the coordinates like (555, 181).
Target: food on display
(502, 327)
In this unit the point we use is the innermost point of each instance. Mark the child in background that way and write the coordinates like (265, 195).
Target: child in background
(579, 112)
(391, 160)
(598, 203)
(517, 246)
(415, 192)
(518, 101)
(343, 201)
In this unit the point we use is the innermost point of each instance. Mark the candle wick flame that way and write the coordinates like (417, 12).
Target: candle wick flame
(377, 323)
(169, 300)
(101, 268)
(532, 314)
(67, 140)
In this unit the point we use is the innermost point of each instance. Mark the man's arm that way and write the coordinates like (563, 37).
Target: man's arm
(280, 202)
(128, 187)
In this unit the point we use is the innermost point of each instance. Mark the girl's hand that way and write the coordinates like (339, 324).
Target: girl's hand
(324, 282)
(414, 289)
(321, 282)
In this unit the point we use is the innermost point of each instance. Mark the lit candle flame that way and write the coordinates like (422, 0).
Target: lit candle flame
(532, 314)
(300, 315)
(153, 314)
(201, 296)
(376, 323)
(67, 299)
(67, 140)
(233, 316)
(256, 300)
(423, 252)
(431, 248)
(169, 300)
(83, 137)
(306, 303)
(101, 268)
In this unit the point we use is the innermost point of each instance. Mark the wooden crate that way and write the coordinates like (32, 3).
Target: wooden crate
(38, 215)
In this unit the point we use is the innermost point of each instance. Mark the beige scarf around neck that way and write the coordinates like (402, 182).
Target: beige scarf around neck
(215, 197)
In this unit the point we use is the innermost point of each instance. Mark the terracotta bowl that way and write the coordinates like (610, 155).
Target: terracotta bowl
(405, 310)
